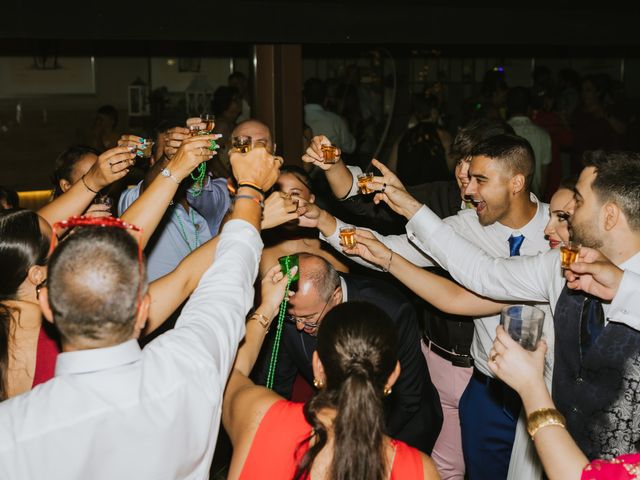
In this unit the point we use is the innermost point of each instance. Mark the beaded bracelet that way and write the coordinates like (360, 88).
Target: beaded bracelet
(544, 417)
(249, 197)
(84, 182)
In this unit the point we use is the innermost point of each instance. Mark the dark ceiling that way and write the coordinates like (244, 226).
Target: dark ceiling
(460, 24)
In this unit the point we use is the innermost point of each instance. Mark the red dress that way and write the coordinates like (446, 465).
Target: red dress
(624, 467)
(273, 453)
(46, 354)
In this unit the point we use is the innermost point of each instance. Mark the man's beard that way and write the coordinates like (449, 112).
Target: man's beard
(584, 235)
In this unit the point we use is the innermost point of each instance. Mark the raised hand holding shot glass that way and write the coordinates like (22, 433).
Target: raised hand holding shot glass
(241, 143)
(524, 324)
(348, 237)
(363, 183)
(569, 253)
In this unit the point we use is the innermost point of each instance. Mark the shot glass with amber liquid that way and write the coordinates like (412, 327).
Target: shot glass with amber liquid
(241, 143)
(209, 122)
(569, 253)
(363, 179)
(348, 236)
(145, 150)
(329, 154)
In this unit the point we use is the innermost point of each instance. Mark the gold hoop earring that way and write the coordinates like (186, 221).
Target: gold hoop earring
(318, 383)
(386, 391)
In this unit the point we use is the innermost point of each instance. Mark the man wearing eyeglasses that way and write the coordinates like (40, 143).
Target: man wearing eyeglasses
(413, 408)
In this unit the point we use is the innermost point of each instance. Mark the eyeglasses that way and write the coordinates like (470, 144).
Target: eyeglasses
(293, 319)
(85, 221)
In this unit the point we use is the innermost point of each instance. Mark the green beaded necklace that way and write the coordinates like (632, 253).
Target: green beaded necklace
(198, 179)
(276, 342)
(183, 232)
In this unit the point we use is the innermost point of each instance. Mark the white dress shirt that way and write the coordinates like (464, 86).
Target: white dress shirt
(125, 413)
(493, 239)
(331, 125)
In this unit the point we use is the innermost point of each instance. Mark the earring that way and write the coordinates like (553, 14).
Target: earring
(318, 383)
(386, 391)
(39, 287)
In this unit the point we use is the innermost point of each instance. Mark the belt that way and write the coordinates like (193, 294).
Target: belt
(500, 392)
(456, 359)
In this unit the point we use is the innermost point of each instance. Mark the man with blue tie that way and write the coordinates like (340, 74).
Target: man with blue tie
(508, 220)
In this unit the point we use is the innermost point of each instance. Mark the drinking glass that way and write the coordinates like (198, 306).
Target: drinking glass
(329, 154)
(348, 236)
(287, 262)
(209, 120)
(145, 149)
(524, 324)
(241, 143)
(569, 253)
(363, 179)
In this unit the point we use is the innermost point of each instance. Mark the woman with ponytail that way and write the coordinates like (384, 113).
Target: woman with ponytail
(339, 433)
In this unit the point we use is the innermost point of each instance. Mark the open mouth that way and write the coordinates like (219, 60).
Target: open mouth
(480, 205)
(554, 243)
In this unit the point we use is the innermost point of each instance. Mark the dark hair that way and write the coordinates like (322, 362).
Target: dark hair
(9, 196)
(518, 101)
(358, 348)
(618, 181)
(477, 132)
(65, 163)
(222, 99)
(568, 183)
(298, 172)
(22, 245)
(94, 285)
(601, 82)
(110, 112)
(315, 91)
(513, 151)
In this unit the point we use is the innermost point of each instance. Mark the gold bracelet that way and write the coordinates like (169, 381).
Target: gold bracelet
(544, 417)
(261, 319)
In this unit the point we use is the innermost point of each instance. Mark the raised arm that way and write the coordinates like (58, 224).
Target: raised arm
(244, 402)
(147, 211)
(523, 371)
(440, 292)
(338, 175)
(111, 166)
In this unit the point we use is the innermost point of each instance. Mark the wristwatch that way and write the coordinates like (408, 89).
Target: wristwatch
(167, 174)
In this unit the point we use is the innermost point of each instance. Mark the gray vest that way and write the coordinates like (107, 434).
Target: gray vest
(598, 391)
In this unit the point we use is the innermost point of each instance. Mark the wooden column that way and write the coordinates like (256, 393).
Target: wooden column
(278, 96)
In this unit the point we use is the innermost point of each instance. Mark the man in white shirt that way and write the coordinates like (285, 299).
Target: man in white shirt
(518, 109)
(113, 411)
(508, 221)
(596, 379)
(323, 122)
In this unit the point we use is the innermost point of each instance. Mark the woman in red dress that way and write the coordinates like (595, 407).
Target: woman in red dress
(339, 433)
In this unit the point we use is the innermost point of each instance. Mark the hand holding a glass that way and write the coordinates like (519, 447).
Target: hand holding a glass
(272, 291)
(279, 208)
(111, 166)
(192, 152)
(321, 153)
(595, 274)
(521, 369)
(369, 248)
(257, 167)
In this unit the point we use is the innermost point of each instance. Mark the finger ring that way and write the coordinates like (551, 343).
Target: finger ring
(384, 187)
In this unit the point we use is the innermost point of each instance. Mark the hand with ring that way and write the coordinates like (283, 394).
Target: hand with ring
(111, 166)
(192, 152)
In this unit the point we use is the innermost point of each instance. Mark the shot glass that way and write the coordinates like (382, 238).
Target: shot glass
(287, 262)
(329, 154)
(209, 120)
(195, 130)
(241, 143)
(524, 324)
(569, 253)
(348, 236)
(145, 150)
(363, 179)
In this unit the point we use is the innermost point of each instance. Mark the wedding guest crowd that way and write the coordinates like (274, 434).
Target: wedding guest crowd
(225, 305)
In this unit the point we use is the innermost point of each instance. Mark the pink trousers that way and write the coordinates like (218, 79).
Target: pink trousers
(450, 382)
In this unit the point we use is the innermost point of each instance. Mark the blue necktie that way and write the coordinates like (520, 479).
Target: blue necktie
(592, 322)
(514, 245)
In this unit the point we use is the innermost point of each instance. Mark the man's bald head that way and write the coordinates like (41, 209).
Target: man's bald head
(94, 285)
(317, 275)
(255, 129)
